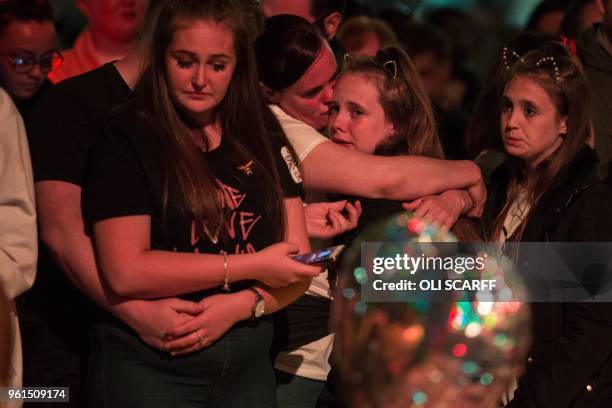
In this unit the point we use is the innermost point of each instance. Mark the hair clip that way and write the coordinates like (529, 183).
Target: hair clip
(389, 65)
(393, 65)
(387, 62)
(556, 73)
(505, 57)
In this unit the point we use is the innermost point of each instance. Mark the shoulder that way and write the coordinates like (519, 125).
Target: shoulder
(13, 130)
(128, 123)
(596, 200)
(588, 218)
(7, 106)
(303, 138)
(90, 85)
(85, 99)
(293, 126)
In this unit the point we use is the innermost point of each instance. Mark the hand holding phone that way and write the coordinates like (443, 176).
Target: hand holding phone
(321, 256)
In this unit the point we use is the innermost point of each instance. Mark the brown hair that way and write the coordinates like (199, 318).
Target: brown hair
(407, 106)
(404, 101)
(559, 73)
(242, 114)
(483, 131)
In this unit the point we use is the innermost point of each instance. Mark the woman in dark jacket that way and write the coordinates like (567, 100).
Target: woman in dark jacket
(547, 191)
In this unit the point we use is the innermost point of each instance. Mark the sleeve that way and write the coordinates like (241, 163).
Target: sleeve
(303, 138)
(116, 183)
(18, 242)
(56, 137)
(560, 373)
(288, 172)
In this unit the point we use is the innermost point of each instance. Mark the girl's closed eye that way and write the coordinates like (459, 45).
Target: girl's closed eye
(218, 67)
(184, 63)
(312, 93)
(357, 113)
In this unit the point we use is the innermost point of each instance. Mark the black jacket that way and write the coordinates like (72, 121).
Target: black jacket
(570, 362)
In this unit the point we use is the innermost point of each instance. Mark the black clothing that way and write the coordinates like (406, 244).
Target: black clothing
(68, 120)
(570, 362)
(372, 211)
(452, 125)
(27, 106)
(126, 177)
(55, 317)
(300, 323)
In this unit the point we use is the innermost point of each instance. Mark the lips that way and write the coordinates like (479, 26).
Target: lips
(128, 14)
(28, 87)
(512, 140)
(197, 95)
(343, 143)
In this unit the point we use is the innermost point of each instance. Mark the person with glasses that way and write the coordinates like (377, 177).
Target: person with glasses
(27, 50)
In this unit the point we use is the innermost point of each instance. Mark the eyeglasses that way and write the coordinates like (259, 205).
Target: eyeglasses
(47, 62)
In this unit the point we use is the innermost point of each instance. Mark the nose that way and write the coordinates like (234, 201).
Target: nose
(337, 121)
(198, 80)
(328, 93)
(509, 119)
(35, 73)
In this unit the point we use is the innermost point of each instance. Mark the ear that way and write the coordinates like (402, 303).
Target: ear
(389, 130)
(331, 24)
(563, 126)
(270, 95)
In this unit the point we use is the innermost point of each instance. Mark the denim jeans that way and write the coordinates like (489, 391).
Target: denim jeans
(234, 372)
(293, 391)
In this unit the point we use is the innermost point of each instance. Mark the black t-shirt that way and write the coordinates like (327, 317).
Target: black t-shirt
(61, 130)
(126, 178)
(68, 118)
(373, 211)
(27, 106)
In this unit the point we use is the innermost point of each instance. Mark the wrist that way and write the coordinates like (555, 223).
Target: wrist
(243, 267)
(244, 304)
(130, 312)
(471, 171)
(460, 199)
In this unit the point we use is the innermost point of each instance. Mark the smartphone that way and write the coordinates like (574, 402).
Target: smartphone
(321, 256)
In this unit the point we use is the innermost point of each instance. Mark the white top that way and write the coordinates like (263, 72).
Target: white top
(310, 360)
(18, 244)
(515, 217)
(303, 138)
